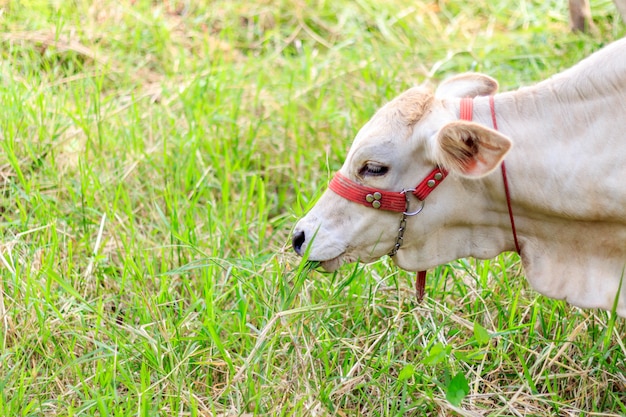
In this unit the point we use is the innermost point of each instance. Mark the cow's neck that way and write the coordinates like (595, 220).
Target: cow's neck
(566, 172)
(568, 155)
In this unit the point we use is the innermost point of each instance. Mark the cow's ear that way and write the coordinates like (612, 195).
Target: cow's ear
(470, 149)
(470, 84)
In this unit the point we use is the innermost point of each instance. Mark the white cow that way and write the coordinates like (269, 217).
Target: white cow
(566, 175)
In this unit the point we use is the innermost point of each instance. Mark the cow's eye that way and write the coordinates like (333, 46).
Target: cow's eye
(373, 170)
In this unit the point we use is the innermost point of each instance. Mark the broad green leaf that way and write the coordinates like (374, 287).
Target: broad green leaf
(481, 334)
(438, 353)
(457, 389)
(407, 372)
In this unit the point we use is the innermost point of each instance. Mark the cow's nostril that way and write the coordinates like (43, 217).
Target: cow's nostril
(298, 241)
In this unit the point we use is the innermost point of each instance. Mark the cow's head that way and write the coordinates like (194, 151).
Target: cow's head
(399, 146)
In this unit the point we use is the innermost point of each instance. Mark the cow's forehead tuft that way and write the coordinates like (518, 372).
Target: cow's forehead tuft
(409, 106)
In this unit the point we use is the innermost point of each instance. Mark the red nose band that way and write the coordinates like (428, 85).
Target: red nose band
(366, 196)
(382, 199)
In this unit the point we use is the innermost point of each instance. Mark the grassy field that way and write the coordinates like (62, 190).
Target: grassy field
(154, 158)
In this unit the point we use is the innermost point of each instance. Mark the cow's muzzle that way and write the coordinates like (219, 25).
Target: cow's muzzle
(297, 241)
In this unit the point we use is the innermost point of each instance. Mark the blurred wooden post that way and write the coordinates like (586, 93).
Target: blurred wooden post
(580, 16)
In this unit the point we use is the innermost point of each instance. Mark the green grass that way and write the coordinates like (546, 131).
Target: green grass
(154, 158)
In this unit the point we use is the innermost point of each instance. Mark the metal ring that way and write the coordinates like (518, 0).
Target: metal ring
(413, 213)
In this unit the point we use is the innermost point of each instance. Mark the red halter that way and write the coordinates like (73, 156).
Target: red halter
(397, 201)
(385, 200)
(467, 113)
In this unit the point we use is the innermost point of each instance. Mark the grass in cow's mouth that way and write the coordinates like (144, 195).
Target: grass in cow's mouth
(154, 158)
(312, 265)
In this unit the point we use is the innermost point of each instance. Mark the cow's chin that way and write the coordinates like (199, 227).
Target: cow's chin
(331, 265)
